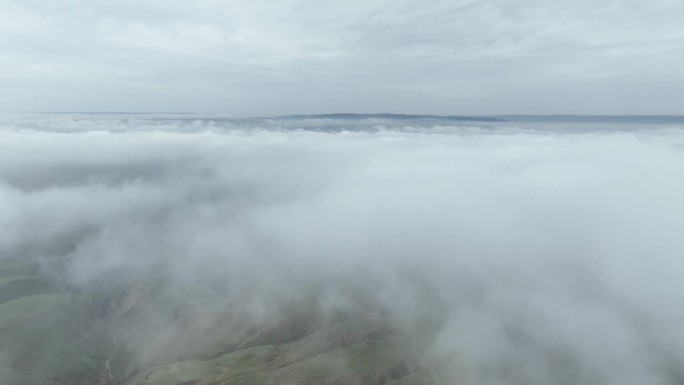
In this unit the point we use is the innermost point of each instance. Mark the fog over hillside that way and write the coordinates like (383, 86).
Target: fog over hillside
(490, 252)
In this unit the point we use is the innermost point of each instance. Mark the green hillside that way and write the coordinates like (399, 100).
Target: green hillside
(127, 331)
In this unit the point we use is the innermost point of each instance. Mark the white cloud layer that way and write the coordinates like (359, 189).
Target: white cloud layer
(557, 254)
(303, 56)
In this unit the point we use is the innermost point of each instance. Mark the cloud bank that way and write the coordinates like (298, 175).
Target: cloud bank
(531, 256)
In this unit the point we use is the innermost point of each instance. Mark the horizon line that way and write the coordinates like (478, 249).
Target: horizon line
(344, 113)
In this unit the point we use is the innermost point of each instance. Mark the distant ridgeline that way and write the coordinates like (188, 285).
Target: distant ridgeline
(350, 116)
(627, 119)
(355, 117)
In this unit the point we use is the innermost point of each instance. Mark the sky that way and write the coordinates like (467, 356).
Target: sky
(304, 56)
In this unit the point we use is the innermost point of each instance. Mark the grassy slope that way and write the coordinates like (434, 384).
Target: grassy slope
(17, 311)
(340, 355)
(37, 346)
(51, 336)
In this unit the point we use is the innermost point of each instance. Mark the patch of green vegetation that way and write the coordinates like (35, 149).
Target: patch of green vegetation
(9, 279)
(13, 377)
(8, 269)
(352, 353)
(421, 377)
(22, 285)
(16, 311)
(124, 331)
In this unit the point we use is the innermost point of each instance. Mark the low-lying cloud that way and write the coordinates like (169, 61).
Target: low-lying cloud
(552, 257)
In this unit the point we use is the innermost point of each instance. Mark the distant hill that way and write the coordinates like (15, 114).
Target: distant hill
(626, 119)
(351, 116)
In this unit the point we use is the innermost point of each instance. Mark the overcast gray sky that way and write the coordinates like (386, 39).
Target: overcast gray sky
(312, 56)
